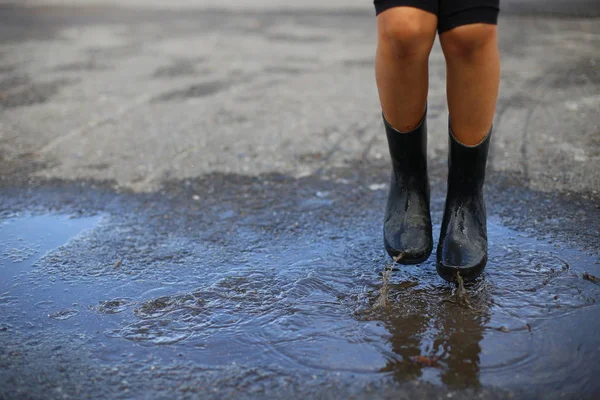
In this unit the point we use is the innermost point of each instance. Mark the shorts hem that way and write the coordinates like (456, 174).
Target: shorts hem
(386, 5)
(468, 16)
(479, 14)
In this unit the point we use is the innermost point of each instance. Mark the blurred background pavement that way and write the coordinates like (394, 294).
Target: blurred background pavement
(140, 92)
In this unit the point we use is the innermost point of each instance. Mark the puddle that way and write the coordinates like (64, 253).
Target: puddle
(23, 241)
(307, 302)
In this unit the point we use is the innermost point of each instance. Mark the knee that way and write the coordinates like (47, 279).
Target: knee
(466, 42)
(407, 32)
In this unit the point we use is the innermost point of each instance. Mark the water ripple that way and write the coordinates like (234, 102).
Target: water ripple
(64, 314)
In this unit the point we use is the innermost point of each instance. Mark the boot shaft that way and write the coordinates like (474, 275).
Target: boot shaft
(466, 165)
(408, 151)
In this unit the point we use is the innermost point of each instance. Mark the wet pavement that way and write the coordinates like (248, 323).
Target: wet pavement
(200, 226)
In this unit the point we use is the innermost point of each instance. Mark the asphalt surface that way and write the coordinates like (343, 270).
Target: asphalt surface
(128, 98)
(231, 154)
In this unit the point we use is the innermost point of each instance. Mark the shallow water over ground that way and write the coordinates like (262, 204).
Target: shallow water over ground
(300, 303)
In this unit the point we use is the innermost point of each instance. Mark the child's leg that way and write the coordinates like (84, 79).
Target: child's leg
(406, 30)
(473, 74)
(405, 39)
(468, 36)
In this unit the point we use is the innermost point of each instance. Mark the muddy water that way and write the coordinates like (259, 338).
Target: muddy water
(307, 303)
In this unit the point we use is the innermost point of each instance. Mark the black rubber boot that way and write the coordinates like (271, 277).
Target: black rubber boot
(463, 236)
(407, 226)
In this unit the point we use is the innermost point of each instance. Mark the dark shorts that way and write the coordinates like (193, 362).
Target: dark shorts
(450, 13)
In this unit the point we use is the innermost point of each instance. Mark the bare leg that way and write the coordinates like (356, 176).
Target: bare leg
(405, 39)
(473, 74)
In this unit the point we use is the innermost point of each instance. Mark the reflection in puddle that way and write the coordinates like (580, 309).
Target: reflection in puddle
(308, 305)
(25, 239)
